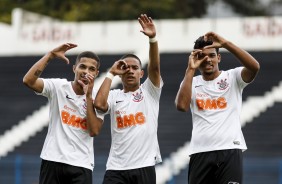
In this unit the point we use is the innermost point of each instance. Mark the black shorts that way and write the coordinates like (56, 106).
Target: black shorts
(217, 167)
(145, 175)
(58, 173)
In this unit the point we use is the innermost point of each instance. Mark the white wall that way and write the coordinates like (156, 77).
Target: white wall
(28, 36)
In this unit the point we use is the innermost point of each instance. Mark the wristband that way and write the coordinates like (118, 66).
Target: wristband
(110, 75)
(153, 40)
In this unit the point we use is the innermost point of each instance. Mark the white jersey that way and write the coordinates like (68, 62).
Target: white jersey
(68, 140)
(216, 107)
(134, 123)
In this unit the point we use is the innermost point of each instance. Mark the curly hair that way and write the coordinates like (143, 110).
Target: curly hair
(201, 43)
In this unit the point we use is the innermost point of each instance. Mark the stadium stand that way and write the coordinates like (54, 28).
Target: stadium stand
(262, 159)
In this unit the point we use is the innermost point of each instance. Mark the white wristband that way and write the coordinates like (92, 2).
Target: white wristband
(110, 75)
(153, 40)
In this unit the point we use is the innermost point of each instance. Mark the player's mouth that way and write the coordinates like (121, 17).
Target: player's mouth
(208, 65)
(84, 79)
(130, 78)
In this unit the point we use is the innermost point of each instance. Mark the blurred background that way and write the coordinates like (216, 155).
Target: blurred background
(30, 28)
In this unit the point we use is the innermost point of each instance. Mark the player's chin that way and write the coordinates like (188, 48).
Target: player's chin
(208, 72)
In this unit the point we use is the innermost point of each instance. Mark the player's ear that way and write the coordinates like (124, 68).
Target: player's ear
(142, 73)
(96, 74)
(73, 68)
(219, 57)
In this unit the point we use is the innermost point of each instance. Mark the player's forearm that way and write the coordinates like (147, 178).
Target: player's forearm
(245, 58)
(100, 102)
(184, 94)
(94, 124)
(36, 70)
(154, 64)
(31, 79)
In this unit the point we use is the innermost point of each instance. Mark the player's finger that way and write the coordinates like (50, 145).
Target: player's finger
(81, 83)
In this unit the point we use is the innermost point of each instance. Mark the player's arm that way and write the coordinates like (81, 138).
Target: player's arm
(148, 28)
(31, 78)
(100, 102)
(119, 68)
(184, 94)
(251, 65)
(94, 124)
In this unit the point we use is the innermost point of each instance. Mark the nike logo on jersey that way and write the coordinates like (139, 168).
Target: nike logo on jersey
(119, 101)
(67, 96)
(198, 86)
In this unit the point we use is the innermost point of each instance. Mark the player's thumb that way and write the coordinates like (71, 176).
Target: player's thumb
(142, 31)
(65, 59)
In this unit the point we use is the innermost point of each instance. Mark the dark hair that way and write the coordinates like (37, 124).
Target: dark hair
(88, 54)
(132, 56)
(201, 43)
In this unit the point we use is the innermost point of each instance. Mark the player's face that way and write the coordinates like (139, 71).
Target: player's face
(131, 79)
(210, 65)
(85, 66)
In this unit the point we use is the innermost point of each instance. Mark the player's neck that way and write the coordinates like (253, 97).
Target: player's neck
(130, 89)
(78, 90)
(211, 76)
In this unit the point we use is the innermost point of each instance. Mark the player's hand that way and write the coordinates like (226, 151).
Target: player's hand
(60, 51)
(195, 59)
(148, 27)
(217, 41)
(120, 67)
(87, 86)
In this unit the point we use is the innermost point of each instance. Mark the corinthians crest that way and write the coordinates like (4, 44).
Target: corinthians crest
(222, 84)
(137, 97)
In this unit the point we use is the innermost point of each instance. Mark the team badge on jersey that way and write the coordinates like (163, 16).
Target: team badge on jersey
(223, 84)
(137, 97)
(84, 106)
